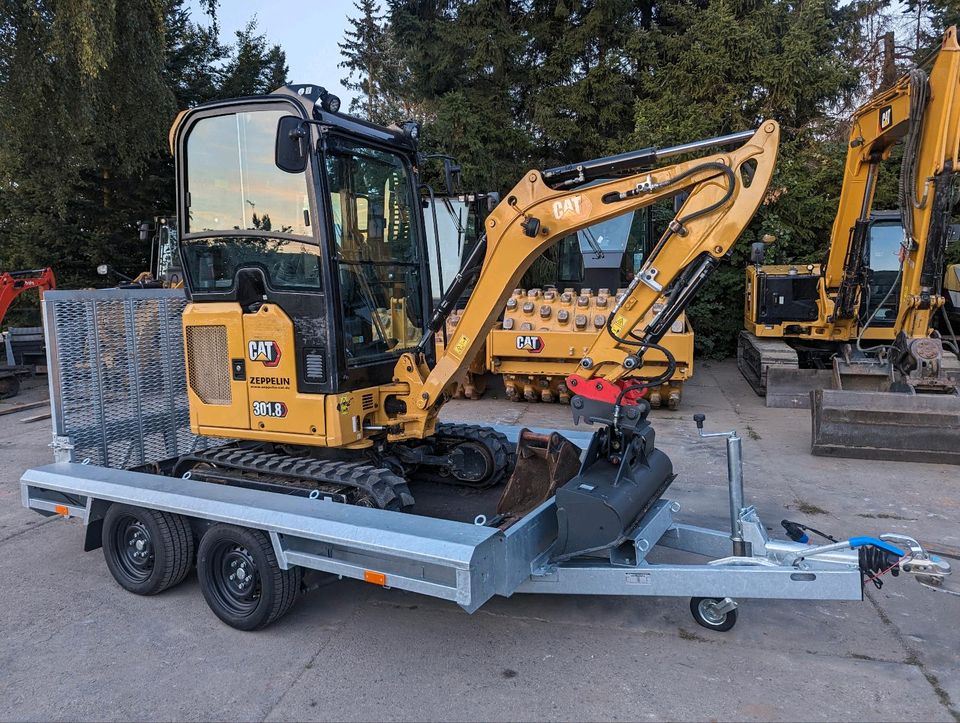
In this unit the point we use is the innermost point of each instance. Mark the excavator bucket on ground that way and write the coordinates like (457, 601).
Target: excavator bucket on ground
(544, 462)
(790, 388)
(886, 425)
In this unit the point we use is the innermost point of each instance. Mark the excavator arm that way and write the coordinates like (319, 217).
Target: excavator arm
(725, 191)
(924, 114)
(14, 283)
(912, 411)
(927, 195)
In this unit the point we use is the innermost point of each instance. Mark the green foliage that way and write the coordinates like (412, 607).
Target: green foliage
(88, 91)
(505, 85)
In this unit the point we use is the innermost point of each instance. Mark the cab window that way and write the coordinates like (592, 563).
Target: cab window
(376, 249)
(233, 181)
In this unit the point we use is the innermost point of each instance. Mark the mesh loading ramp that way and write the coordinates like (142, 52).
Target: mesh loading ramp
(886, 425)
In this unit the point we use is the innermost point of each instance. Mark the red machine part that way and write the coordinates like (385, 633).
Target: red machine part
(603, 391)
(14, 283)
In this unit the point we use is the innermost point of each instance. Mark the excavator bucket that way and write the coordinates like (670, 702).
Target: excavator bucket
(789, 387)
(886, 425)
(544, 462)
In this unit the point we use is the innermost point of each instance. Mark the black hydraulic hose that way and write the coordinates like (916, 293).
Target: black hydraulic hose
(954, 345)
(919, 94)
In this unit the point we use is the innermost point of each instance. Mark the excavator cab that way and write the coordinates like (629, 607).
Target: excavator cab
(313, 276)
(302, 240)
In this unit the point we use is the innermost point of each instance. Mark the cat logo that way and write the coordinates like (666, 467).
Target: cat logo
(265, 352)
(886, 117)
(572, 206)
(532, 344)
(343, 404)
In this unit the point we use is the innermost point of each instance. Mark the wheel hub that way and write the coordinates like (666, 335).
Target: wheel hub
(710, 612)
(239, 578)
(134, 549)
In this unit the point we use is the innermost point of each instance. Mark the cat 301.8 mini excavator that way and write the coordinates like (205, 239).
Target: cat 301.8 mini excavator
(309, 335)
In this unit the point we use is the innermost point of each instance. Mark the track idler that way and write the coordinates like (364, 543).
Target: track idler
(463, 454)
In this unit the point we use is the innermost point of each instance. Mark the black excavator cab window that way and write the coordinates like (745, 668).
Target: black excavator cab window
(883, 260)
(234, 185)
(377, 250)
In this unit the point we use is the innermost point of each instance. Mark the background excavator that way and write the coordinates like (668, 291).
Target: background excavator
(12, 284)
(550, 322)
(301, 234)
(889, 383)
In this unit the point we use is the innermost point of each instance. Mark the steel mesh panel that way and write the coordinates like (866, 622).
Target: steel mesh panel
(80, 407)
(118, 381)
(209, 364)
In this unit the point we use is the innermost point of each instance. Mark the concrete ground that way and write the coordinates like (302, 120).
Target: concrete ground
(74, 645)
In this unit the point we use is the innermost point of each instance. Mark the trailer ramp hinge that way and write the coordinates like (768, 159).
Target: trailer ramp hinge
(62, 448)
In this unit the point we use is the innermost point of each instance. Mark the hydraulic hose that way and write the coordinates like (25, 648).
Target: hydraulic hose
(675, 227)
(919, 95)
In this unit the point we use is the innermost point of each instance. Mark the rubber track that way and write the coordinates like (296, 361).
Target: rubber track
(176, 539)
(388, 490)
(504, 454)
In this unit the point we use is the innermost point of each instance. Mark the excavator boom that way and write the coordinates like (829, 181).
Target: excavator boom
(725, 192)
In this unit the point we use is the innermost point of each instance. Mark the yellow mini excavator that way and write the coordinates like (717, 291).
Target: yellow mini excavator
(309, 332)
(887, 384)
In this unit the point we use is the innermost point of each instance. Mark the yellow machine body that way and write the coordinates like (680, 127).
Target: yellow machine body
(545, 333)
(264, 404)
(820, 329)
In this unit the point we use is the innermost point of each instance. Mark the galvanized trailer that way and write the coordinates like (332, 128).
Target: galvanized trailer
(118, 400)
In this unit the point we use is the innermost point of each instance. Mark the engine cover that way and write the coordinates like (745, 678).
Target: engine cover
(600, 506)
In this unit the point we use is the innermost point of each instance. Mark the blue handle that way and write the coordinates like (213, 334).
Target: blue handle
(856, 542)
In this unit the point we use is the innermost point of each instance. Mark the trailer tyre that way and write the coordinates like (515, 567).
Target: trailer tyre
(705, 613)
(241, 580)
(147, 551)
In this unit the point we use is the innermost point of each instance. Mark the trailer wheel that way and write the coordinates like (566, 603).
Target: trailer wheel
(709, 612)
(241, 580)
(147, 551)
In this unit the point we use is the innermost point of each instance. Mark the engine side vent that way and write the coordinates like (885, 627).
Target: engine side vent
(367, 402)
(314, 364)
(208, 366)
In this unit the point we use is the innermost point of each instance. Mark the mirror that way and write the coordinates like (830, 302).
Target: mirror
(144, 231)
(292, 144)
(103, 269)
(757, 249)
(451, 176)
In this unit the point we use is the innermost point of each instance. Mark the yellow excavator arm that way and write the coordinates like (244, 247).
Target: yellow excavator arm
(924, 113)
(725, 191)
(930, 165)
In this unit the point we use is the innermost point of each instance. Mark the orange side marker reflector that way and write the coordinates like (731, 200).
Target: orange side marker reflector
(377, 578)
(62, 510)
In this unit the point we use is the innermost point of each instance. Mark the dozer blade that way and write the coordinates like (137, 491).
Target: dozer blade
(544, 462)
(790, 388)
(886, 425)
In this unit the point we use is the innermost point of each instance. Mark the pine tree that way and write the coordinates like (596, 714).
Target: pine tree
(85, 156)
(254, 67)
(364, 50)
